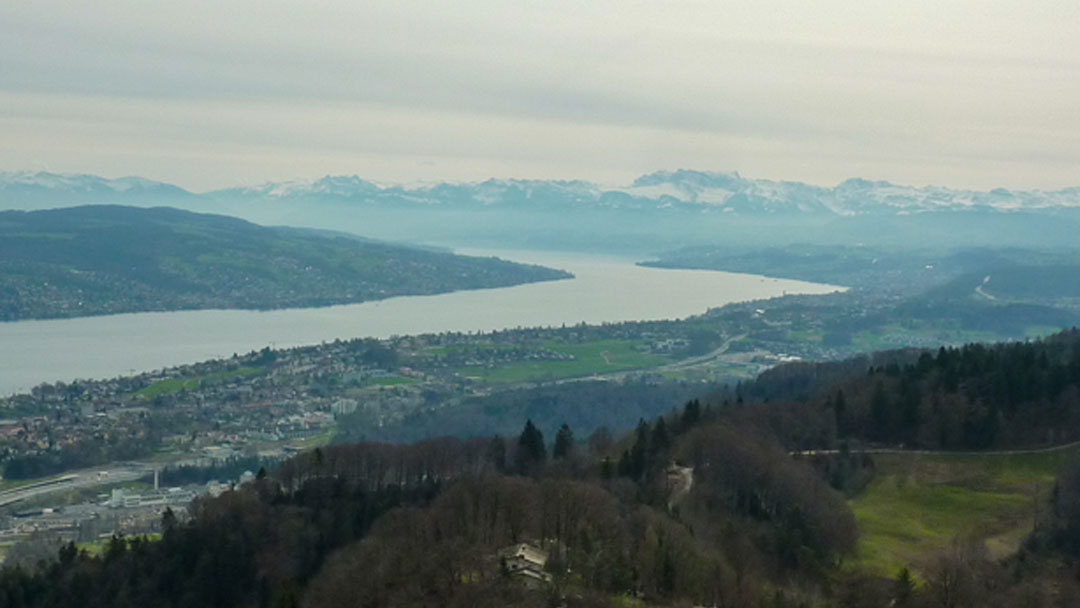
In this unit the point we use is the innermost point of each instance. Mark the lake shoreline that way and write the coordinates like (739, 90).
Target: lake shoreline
(605, 289)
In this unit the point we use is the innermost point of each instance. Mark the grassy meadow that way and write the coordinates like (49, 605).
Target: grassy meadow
(918, 504)
(594, 357)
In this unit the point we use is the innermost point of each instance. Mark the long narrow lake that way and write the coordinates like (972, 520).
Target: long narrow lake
(605, 289)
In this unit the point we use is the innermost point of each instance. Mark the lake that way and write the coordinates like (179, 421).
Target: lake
(605, 289)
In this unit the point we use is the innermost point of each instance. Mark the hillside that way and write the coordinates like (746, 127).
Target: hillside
(917, 504)
(1031, 274)
(735, 501)
(110, 259)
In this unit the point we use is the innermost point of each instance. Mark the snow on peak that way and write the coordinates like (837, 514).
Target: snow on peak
(729, 192)
(79, 182)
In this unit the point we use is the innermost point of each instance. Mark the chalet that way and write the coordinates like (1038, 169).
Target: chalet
(525, 563)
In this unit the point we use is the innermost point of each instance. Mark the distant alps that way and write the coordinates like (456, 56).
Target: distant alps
(727, 193)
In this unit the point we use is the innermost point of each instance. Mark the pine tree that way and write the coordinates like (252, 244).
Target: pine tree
(531, 452)
(691, 414)
(623, 468)
(843, 420)
(564, 443)
(640, 451)
(660, 441)
(880, 411)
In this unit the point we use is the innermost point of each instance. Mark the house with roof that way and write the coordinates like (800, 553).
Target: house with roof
(525, 563)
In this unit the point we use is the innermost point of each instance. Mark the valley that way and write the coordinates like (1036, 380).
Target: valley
(531, 305)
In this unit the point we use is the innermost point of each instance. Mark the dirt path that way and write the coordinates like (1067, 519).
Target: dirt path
(1056, 448)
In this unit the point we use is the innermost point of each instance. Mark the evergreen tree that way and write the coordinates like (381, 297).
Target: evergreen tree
(660, 440)
(691, 414)
(909, 408)
(639, 453)
(843, 418)
(624, 466)
(68, 553)
(564, 443)
(879, 411)
(531, 452)
(169, 522)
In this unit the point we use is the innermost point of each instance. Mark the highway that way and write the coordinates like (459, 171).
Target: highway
(86, 478)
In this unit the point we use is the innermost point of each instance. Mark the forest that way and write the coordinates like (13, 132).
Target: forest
(109, 259)
(732, 499)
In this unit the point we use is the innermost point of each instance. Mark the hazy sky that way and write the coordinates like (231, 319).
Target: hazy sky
(978, 93)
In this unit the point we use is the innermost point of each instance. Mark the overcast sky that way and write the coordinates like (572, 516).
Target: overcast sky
(979, 93)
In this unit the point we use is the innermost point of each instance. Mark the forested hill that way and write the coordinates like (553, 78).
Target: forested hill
(111, 259)
(976, 397)
(704, 506)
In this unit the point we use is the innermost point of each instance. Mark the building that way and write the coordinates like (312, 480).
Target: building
(678, 482)
(525, 563)
(174, 497)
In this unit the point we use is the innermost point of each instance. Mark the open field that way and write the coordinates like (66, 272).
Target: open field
(394, 381)
(173, 385)
(596, 357)
(918, 503)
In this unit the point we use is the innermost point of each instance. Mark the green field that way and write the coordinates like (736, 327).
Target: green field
(597, 357)
(453, 349)
(806, 335)
(918, 504)
(394, 381)
(172, 385)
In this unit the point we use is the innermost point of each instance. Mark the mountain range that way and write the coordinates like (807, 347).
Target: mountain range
(655, 213)
(711, 191)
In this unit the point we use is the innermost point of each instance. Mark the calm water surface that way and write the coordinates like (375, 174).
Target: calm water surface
(605, 289)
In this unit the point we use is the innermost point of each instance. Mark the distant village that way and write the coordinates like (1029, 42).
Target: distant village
(269, 403)
(275, 397)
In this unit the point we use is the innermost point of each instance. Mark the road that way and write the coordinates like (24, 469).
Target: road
(86, 478)
(692, 361)
(1056, 448)
(683, 364)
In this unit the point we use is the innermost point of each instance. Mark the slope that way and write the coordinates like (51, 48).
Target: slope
(111, 259)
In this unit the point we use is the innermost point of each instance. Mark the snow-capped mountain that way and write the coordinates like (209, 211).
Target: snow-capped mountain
(684, 190)
(688, 190)
(859, 196)
(342, 186)
(355, 189)
(852, 197)
(30, 190)
(731, 192)
(665, 191)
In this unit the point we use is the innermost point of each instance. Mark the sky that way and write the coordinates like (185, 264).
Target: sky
(207, 94)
